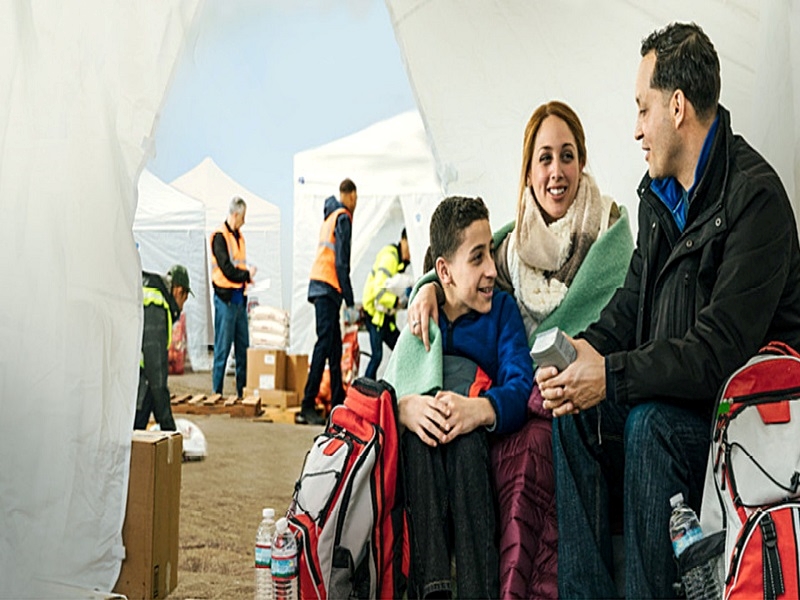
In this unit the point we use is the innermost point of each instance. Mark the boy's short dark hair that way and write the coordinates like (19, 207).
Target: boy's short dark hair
(347, 187)
(686, 60)
(449, 220)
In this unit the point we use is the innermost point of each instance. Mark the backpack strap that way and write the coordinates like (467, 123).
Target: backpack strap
(780, 348)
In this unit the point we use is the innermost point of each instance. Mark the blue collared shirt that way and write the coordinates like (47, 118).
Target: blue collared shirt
(672, 194)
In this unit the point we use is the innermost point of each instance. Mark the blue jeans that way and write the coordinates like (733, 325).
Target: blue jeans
(387, 334)
(230, 327)
(641, 456)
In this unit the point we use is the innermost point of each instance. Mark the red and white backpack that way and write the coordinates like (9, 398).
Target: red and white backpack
(752, 489)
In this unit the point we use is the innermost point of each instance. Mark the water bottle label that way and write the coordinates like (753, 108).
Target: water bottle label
(687, 539)
(263, 556)
(284, 566)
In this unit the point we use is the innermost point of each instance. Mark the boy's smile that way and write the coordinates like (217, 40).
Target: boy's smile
(469, 277)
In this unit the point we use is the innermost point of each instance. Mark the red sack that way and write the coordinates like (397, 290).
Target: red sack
(177, 349)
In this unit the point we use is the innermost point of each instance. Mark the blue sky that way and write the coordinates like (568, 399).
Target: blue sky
(264, 80)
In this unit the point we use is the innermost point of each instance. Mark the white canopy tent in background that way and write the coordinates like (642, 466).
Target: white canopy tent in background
(479, 69)
(170, 228)
(262, 229)
(81, 91)
(393, 169)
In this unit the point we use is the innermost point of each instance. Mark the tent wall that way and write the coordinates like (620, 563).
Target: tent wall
(394, 171)
(170, 228)
(262, 228)
(479, 69)
(81, 91)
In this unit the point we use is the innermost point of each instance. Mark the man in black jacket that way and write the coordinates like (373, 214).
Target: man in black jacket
(164, 298)
(715, 275)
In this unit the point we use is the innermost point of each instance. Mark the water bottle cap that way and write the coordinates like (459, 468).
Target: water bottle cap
(281, 525)
(676, 500)
(268, 513)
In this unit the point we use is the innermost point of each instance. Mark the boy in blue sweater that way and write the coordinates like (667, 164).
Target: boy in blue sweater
(451, 503)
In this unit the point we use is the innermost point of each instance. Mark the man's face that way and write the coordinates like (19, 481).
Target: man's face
(238, 220)
(405, 255)
(180, 295)
(655, 126)
(350, 200)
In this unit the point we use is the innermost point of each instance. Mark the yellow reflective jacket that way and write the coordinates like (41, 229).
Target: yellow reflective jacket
(377, 300)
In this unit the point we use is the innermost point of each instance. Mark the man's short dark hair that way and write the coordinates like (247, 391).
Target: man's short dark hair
(686, 60)
(449, 220)
(347, 187)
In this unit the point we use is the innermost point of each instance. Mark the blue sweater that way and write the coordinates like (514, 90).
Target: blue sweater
(496, 342)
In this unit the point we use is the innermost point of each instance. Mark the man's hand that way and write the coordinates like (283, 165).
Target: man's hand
(253, 269)
(579, 387)
(464, 414)
(426, 416)
(421, 310)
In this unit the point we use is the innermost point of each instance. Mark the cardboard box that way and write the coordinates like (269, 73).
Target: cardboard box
(280, 398)
(296, 372)
(266, 368)
(150, 530)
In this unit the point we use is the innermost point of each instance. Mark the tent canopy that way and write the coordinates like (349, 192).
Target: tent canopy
(81, 92)
(170, 228)
(479, 69)
(262, 229)
(394, 171)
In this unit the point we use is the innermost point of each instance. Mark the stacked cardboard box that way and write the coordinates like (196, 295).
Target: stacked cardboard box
(276, 378)
(150, 529)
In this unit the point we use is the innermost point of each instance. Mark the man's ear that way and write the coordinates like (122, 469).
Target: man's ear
(443, 271)
(677, 107)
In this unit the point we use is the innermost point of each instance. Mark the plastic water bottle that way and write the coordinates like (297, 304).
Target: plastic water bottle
(284, 562)
(266, 531)
(684, 526)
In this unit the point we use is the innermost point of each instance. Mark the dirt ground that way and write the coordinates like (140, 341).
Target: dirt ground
(250, 465)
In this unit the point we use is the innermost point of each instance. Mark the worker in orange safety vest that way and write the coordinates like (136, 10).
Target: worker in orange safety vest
(330, 284)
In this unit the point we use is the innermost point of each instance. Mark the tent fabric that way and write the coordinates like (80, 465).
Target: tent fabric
(262, 229)
(479, 69)
(80, 93)
(395, 174)
(170, 228)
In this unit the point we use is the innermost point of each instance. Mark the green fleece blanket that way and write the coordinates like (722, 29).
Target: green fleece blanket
(411, 370)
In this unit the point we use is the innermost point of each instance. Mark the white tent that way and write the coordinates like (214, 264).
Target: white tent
(262, 229)
(170, 228)
(81, 92)
(394, 171)
(478, 70)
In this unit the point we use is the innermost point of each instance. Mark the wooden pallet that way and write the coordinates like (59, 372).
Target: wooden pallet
(274, 414)
(215, 404)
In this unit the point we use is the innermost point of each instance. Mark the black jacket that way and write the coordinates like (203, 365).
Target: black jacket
(697, 305)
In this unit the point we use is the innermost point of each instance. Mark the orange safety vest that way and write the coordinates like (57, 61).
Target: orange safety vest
(324, 267)
(237, 254)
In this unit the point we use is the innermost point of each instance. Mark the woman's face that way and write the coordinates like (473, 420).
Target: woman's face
(554, 172)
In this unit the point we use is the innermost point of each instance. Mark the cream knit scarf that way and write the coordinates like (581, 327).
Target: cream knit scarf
(543, 259)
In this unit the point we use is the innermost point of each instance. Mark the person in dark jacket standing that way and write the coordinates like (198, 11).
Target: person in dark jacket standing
(715, 275)
(330, 284)
(230, 275)
(163, 299)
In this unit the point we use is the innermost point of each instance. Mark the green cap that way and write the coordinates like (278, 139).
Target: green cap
(180, 276)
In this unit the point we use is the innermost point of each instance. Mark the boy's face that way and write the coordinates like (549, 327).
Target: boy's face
(468, 278)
